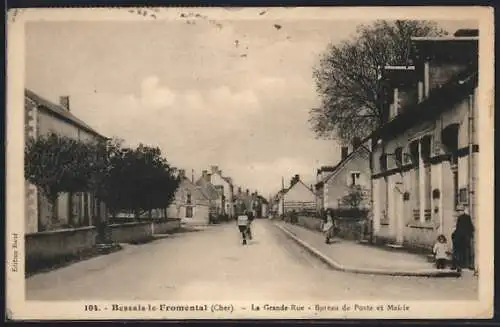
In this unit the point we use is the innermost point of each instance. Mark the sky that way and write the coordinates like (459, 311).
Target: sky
(232, 93)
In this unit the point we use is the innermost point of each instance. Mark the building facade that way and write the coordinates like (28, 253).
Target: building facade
(225, 185)
(298, 197)
(74, 210)
(351, 174)
(190, 203)
(424, 156)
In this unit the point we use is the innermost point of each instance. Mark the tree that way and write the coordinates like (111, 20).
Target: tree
(354, 198)
(137, 179)
(57, 164)
(348, 73)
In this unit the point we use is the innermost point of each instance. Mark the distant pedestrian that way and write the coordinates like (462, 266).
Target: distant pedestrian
(462, 239)
(441, 251)
(328, 227)
(242, 222)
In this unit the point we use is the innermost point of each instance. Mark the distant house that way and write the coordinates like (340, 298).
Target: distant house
(351, 173)
(190, 203)
(225, 185)
(214, 194)
(277, 204)
(298, 197)
(76, 209)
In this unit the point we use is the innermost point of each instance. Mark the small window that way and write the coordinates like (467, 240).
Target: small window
(189, 212)
(188, 198)
(354, 178)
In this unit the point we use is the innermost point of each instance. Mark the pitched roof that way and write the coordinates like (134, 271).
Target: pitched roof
(208, 189)
(196, 187)
(341, 164)
(60, 112)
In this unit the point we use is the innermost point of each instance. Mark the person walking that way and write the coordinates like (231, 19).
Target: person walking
(462, 239)
(328, 226)
(242, 222)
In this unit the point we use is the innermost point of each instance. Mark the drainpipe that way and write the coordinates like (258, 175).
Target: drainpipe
(470, 132)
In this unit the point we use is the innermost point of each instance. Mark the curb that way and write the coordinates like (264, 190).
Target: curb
(367, 271)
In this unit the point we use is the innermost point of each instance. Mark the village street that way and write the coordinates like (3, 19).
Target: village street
(211, 264)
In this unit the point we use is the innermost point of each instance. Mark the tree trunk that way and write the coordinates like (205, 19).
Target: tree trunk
(53, 199)
(150, 214)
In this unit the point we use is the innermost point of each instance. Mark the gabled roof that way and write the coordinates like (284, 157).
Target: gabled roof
(208, 189)
(299, 181)
(342, 163)
(196, 187)
(60, 112)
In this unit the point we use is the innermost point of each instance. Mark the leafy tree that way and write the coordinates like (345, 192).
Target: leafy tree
(57, 164)
(355, 196)
(138, 179)
(347, 77)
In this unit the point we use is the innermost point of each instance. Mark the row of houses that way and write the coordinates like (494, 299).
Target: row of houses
(421, 163)
(213, 196)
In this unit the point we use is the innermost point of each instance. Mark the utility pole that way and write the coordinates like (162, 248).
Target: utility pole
(283, 195)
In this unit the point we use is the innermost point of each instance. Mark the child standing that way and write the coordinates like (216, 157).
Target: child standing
(441, 251)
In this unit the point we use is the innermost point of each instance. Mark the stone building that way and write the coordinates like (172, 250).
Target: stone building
(424, 155)
(74, 210)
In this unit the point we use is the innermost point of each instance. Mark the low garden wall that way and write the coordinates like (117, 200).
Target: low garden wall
(166, 226)
(49, 246)
(133, 232)
(350, 228)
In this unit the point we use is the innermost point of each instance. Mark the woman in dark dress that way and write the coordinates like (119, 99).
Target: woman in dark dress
(462, 239)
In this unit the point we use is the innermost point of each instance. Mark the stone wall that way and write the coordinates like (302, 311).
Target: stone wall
(134, 232)
(166, 226)
(44, 247)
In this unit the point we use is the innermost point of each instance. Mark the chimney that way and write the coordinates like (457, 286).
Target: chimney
(247, 191)
(215, 169)
(205, 175)
(344, 151)
(64, 102)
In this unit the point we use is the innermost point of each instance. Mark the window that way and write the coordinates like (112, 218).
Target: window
(398, 154)
(354, 180)
(383, 162)
(189, 212)
(188, 198)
